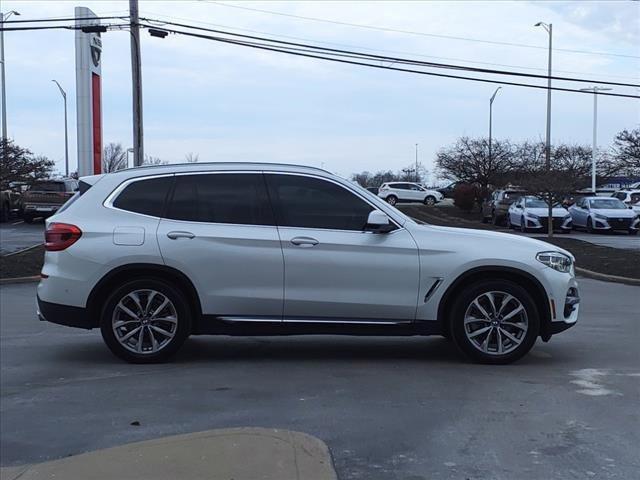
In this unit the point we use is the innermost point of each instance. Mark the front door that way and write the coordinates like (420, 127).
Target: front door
(335, 270)
(219, 231)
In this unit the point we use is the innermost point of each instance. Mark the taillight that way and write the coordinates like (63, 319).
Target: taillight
(60, 236)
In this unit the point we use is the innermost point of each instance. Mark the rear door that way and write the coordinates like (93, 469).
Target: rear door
(334, 269)
(220, 232)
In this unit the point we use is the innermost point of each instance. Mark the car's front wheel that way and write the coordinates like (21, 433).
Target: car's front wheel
(495, 322)
(145, 321)
(392, 199)
(430, 201)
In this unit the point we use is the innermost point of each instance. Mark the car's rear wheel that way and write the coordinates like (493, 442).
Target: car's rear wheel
(495, 322)
(392, 199)
(145, 321)
(430, 201)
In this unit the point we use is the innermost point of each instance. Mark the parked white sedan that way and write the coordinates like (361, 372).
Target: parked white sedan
(530, 213)
(604, 214)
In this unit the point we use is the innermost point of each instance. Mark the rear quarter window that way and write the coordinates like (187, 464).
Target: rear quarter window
(147, 197)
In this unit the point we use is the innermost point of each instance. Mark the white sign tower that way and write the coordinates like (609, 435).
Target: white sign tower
(88, 94)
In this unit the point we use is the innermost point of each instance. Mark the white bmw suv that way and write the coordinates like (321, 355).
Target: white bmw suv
(152, 255)
(396, 192)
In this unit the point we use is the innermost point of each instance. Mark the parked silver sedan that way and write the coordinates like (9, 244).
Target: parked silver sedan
(604, 214)
(530, 213)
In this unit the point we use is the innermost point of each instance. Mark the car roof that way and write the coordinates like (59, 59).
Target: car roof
(148, 170)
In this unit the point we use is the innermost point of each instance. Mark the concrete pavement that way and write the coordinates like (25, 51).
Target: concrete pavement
(233, 453)
(388, 408)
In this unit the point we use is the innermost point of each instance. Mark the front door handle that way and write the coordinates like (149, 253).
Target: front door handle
(176, 235)
(304, 241)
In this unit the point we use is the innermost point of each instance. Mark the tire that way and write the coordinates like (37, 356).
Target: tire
(392, 200)
(27, 218)
(523, 225)
(4, 213)
(590, 225)
(130, 349)
(524, 330)
(429, 200)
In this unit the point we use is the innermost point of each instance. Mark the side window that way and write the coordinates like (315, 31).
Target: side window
(399, 186)
(416, 188)
(145, 196)
(315, 203)
(621, 196)
(237, 198)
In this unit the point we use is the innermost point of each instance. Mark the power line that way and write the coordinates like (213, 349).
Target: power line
(410, 32)
(288, 51)
(367, 56)
(65, 19)
(401, 52)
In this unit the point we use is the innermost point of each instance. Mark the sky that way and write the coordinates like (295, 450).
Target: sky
(230, 103)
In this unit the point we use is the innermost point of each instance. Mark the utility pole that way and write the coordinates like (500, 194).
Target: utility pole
(491, 118)
(66, 135)
(594, 148)
(136, 87)
(4, 17)
(549, 29)
(417, 178)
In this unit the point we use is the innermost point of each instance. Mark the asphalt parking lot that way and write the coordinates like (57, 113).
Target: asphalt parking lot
(389, 408)
(17, 235)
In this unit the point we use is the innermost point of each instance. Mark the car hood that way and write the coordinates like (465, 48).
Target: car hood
(497, 242)
(615, 212)
(542, 212)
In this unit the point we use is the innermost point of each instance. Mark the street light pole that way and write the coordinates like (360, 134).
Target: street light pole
(549, 28)
(3, 18)
(66, 135)
(417, 180)
(594, 148)
(491, 118)
(136, 74)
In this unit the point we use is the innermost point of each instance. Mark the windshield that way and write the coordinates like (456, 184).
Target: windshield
(48, 187)
(535, 203)
(608, 203)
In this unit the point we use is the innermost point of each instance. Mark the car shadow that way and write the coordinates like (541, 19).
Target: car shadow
(200, 350)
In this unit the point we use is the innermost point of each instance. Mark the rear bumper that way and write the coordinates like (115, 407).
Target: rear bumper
(64, 315)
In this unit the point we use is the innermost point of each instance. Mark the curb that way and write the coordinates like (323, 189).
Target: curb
(607, 278)
(8, 281)
(22, 250)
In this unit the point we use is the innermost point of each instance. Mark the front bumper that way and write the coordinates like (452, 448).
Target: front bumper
(564, 302)
(625, 224)
(64, 315)
(541, 223)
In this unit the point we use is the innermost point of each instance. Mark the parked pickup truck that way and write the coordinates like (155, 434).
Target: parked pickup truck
(45, 197)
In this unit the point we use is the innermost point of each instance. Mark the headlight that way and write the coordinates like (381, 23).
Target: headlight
(531, 215)
(601, 217)
(556, 260)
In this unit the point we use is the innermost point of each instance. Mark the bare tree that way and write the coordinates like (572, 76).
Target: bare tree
(114, 158)
(468, 160)
(192, 157)
(20, 165)
(150, 160)
(626, 151)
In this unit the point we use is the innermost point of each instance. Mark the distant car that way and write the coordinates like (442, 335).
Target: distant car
(396, 192)
(45, 197)
(10, 203)
(604, 214)
(447, 191)
(373, 190)
(529, 213)
(495, 208)
(628, 196)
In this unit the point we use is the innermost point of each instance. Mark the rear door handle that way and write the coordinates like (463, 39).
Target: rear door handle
(304, 241)
(176, 235)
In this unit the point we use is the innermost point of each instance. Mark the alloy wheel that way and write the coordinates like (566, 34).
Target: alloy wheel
(496, 323)
(144, 321)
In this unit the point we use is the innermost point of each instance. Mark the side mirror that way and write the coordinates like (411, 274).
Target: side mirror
(378, 222)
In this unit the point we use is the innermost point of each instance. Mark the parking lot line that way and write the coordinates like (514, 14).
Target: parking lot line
(18, 222)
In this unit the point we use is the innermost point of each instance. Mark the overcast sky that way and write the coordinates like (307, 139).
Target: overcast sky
(227, 102)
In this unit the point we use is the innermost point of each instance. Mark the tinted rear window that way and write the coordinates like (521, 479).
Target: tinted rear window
(47, 187)
(237, 198)
(145, 196)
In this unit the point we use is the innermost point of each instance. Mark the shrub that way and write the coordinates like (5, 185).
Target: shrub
(464, 197)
